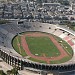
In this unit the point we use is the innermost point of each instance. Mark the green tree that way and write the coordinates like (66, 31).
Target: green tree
(39, 2)
(14, 71)
(2, 73)
(9, 72)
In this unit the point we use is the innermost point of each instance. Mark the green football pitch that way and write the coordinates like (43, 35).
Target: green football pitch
(42, 46)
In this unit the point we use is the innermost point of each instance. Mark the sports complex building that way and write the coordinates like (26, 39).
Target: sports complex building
(42, 62)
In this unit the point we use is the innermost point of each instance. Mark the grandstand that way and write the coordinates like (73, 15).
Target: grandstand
(10, 56)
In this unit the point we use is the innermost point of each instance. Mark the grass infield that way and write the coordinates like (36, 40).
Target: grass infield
(42, 46)
(15, 42)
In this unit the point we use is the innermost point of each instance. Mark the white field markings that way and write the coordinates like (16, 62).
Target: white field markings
(73, 40)
(71, 46)
(18, 43)
(62, 36)
(65, 49)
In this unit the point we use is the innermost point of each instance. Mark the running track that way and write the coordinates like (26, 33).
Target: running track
(44, 58)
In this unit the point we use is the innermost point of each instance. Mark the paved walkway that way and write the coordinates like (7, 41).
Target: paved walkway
(25, 72)
(4, 66)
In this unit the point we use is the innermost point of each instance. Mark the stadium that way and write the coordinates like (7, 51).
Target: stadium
(38, 47)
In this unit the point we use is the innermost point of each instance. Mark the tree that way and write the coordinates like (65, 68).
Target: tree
(9, 72)
(64, 2)
(14, 71)
(2, 73)
(39, 2)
